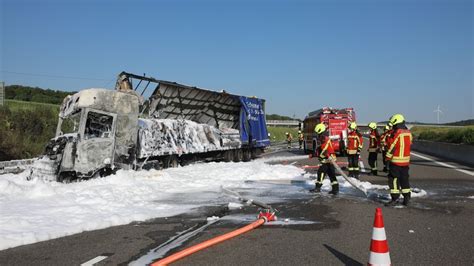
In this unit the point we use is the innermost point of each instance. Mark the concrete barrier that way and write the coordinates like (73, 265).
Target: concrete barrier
(461, 153)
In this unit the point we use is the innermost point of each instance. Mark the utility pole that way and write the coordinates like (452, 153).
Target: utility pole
(2, 93)
(438, 112)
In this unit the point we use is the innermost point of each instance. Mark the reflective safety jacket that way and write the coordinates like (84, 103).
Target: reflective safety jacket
(300, 136)
(289, 137)
(374, 141)
(399, 151)
(326, 151)
(385, 139)
(354, 142)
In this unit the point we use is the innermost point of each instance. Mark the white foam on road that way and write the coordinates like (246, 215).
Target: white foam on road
(33, 211)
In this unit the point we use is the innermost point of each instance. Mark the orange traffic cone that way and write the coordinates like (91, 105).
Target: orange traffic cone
(379, 254)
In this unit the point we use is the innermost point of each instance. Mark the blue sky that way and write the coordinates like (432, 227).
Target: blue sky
(380, 57)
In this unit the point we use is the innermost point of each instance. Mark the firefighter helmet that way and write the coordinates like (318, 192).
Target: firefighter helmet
(286, 133)
(353, 126)
(373, 125)
(299, 131)
(396, 119)
(320, 128)
(387, 127)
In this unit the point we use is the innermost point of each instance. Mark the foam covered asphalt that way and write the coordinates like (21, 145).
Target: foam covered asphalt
(314, 229)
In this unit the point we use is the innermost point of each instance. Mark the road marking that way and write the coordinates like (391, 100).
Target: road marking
(94, 261)
(444, 164)
(293, 163)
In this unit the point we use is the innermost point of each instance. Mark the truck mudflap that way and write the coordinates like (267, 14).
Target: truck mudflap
(253, 125)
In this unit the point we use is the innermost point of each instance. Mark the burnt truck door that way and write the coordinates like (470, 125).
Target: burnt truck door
(95, 147)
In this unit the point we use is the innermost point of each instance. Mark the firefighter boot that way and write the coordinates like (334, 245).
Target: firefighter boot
(356, 175)
(317, 188)
(394, 201)
(335, 189)
(406, 198)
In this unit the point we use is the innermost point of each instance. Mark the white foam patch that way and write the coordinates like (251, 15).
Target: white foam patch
(234, 205)
(470, 197)
(35, 210)
(365, 185)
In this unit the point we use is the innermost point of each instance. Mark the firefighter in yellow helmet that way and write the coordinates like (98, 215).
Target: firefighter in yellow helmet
(354, 146)
(374, 143)
(325, 153)
(300, 138)
(289, 138)
(398, 155)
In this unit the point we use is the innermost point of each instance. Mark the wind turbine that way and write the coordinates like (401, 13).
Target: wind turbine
(438, 111)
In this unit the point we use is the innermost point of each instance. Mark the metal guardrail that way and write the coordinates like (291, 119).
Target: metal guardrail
(16, 163)
(283, 123)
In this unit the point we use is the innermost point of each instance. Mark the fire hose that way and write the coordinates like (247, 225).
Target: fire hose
(263, 217)
(362, 189)
(347, 178)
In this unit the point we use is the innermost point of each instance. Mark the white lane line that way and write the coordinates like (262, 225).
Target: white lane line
(293, 163)
(94, 261)
(444, 164)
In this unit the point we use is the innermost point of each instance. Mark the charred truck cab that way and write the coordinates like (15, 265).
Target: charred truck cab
(102, 130)
(96, 132)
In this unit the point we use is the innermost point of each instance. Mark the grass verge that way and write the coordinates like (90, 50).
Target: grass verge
(461, 135)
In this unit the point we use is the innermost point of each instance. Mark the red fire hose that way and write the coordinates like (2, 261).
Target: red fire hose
(262, 218)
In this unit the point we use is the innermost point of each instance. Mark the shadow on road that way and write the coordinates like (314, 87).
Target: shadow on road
(342, 257)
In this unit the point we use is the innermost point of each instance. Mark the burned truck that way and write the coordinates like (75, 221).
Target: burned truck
(101, 130)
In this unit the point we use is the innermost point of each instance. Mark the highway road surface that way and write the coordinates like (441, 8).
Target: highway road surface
(313, 229)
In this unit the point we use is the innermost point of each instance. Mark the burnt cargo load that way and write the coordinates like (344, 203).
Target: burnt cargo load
(100, 130)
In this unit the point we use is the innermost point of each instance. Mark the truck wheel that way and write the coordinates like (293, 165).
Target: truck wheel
(170, 162)
(254, 153)
(238, 155)
(247, 156)
(227, 156)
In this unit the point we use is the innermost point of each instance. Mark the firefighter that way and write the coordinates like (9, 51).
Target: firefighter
(354, 146)
(398, 156)
(384, 142)
(374, 140)
(325, 153)
(289, 138)
(300, 138)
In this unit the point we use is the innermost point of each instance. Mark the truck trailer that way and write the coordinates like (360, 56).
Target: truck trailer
(101, 130)
(336, 120)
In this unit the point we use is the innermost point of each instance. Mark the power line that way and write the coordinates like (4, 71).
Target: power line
(51, 76)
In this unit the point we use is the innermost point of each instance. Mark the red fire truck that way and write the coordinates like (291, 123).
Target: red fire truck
(336, 120)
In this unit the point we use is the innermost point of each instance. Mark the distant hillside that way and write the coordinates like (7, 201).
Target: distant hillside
(279, 117)
(30, 94)
(468, 122)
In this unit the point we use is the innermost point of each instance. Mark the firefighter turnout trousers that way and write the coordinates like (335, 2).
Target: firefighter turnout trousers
(398, 182)
(353, 160)
(327, 169)
(373, 162)
(385, 162)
